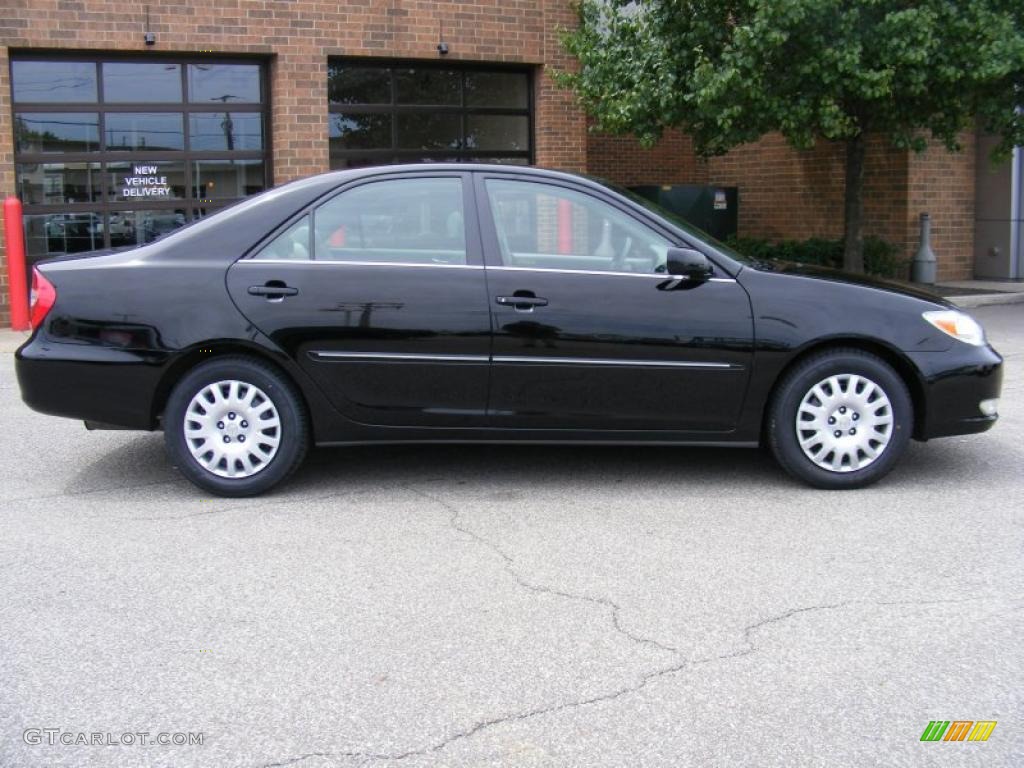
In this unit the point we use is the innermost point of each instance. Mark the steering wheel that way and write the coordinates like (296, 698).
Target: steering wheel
(619, 262)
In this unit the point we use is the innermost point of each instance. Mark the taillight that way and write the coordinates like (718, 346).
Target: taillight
(44, 296)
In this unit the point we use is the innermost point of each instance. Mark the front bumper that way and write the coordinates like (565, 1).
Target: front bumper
(955, 382)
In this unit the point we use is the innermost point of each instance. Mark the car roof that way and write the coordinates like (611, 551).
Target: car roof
(427, 168)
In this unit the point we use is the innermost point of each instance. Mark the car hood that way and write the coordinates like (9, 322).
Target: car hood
(849, 278)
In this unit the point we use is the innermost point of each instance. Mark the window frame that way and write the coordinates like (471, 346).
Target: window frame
(194, 207)
(394, 154)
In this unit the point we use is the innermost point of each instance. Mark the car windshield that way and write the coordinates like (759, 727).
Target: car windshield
(680, 222)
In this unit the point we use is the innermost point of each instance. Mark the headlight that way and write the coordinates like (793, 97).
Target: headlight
(959, 325)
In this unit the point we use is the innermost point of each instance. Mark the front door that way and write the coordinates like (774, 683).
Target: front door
(379, 294)
(590, 332)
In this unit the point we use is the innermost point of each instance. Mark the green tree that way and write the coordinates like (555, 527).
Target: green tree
(729, 71)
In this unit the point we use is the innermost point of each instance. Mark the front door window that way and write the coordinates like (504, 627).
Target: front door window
(544, 226)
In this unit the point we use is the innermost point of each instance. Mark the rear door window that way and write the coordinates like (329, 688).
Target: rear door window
(409, 221)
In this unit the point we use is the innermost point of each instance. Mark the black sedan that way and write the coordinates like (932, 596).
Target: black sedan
(461, 303)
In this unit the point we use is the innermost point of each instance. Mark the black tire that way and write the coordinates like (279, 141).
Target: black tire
(784, 439)
(293, 435)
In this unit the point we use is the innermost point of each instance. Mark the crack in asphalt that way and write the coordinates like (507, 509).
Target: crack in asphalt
(646, 679)
(614, 609)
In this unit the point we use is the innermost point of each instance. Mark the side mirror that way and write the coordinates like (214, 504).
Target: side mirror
(688, 264)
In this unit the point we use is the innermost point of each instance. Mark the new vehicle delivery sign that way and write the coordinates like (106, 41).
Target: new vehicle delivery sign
(144, 182)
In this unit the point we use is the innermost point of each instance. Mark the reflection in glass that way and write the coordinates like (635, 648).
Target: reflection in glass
(140, 227)
(144, 131)
(53, 82)
(226, 83)
(358, 85)
(219, 179)
(149, 180)
(57, 183)
(56, 132)
(226, 131)
(497, 89)
(427, 86)
(425, 130)
(505, 133)
(130, 82)
(360, 131)
(56, 233)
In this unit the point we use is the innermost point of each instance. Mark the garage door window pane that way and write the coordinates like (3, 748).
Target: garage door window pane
(497, 89)
(429, 131)
(358, 85)
(54, 82)
(504, 133)
(141, 227)
(56, 132)
(217, 179)
(418, 221)
(125, 82)
(428, 86)
(140, 131)
(149, 180)
(58, 183)
(56, 233)
(226, 131)
(226, 83)
(360, 131)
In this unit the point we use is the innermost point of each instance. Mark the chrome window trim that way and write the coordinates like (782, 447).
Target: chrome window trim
(330, 262)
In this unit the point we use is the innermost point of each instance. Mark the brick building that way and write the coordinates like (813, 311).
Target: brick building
(120, 122)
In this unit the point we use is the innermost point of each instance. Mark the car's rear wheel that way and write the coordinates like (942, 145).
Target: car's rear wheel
(235, 426)
(840, 419)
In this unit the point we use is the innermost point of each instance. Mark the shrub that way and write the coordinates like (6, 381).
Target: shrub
(881, 257)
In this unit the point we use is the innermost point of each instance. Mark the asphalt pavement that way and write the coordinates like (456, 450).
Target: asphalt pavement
(510, 606)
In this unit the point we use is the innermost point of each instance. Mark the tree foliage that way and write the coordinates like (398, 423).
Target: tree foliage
(729, 71)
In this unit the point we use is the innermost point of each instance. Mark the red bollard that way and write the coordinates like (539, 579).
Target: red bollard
(17, 288)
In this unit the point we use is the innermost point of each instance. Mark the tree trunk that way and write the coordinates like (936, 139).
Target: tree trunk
(853, 249)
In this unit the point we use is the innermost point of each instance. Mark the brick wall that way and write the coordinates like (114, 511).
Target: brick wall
(297, 36)
(941, 183)
(792, 194)
(622, 160)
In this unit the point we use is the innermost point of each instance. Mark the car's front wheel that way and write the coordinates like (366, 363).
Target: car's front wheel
(840, 419)
(235, 426)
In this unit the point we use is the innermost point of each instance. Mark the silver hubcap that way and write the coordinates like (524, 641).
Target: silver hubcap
(232, 429)
(844, 422)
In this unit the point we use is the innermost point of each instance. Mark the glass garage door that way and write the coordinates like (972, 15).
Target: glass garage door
(114, 152)
(403, 112)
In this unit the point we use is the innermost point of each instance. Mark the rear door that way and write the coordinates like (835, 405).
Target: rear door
(590, 332)
(379, 293)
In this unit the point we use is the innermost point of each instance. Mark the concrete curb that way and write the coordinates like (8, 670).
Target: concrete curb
(986, 299)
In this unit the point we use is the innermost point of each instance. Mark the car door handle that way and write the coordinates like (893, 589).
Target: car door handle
(522, 303)
(273, 289)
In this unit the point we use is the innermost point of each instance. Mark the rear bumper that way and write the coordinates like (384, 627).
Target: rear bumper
(87, 382)
(955, 383)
